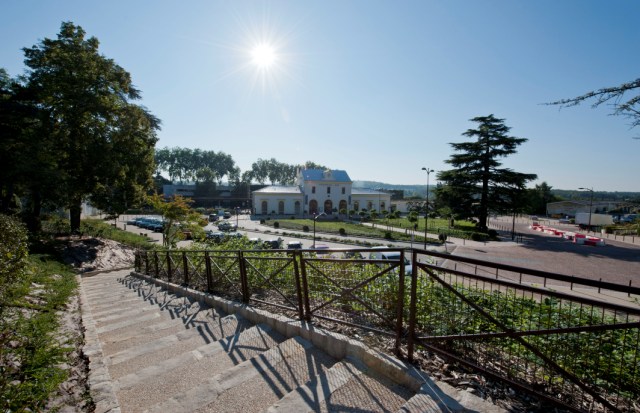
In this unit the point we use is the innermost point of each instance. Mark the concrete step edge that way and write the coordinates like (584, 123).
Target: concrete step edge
(208, 390)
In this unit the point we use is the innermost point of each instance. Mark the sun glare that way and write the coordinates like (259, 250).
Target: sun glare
(263, 56)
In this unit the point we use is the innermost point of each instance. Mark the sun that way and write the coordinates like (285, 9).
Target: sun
(264, 56)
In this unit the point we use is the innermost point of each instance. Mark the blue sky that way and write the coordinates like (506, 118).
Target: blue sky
(378, 88)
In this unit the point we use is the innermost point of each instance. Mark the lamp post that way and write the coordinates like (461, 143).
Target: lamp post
(426, 215)
(315, 217)
(590, 205)
(237, 213)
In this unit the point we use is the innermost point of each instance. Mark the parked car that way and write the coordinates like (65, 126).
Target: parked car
(294, 245)
(391, 256)
(213, 217)
(227, 226)
(215, 236)
(274, 243)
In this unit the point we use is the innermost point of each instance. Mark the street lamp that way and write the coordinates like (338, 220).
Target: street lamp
(590, 205)
(315, 217)
(237, 213)
(426, 215)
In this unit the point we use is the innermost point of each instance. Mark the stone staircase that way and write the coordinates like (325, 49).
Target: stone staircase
(157, 348)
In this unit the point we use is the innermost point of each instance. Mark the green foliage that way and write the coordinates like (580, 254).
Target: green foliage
(32, 356)
(342, 231)
(13, 257)
(477, 184)
(276, 224)
(101, 229)
(91, 140)
(177, 217)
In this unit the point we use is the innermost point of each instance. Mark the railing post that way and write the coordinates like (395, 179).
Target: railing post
(169, 275)
(207, 266)
(400, 304)
(146, 262)
(244, 280)
(295, 256)
(413, 305)
(156, 264)
(305, 289)
(185, 266)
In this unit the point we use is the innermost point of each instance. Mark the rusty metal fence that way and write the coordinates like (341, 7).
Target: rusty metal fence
(570, 341)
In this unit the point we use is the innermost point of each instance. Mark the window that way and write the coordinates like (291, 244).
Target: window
(343, 190)
(328, 189)
(313, 189)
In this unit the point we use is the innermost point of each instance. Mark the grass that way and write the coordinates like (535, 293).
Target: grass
(103, 229)
(382, 228)
(32, 351)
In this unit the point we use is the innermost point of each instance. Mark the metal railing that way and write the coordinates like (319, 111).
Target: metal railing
(571, 341)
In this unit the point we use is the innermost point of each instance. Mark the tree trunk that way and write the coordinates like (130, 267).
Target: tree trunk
(33, 213)
(74, 217)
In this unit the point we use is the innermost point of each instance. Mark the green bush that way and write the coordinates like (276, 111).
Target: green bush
(14, 251)
(388, 235)
(305, 228)
(342, 231)
(276, 224)
(479, 236)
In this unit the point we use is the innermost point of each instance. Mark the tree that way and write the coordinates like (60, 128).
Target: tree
(538, 198)
(102, 143)
(177, 217)
(629, 108)
(477, 184)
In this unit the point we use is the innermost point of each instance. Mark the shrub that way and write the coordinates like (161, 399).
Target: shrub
(342, 231)
(305, 228)
(262, 221)
(276, 224)
(388, 235)
(479, 236)
(492, 233)
(13, 255)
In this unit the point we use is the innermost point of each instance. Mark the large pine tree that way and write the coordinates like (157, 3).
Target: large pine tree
(477, 184)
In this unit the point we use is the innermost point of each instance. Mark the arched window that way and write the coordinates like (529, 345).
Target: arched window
(356, 206)
(313, 207)
(264, 208)
(297, 207)
(328, 207)
(342, 205)
(281, 207)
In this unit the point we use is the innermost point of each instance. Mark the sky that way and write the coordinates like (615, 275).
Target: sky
(377, 88)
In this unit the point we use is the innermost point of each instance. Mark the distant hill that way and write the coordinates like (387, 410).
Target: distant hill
(565, 194)
(409, 190)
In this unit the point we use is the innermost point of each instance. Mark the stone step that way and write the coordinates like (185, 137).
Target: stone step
(254, 384)
(180, 373)
(347, 386)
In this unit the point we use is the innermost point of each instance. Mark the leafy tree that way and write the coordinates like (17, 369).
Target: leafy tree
(621, 107)
(538, 198)
(478, 184)
(99, 139)
(178, 217)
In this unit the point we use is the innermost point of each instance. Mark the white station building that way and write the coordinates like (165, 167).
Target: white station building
(317, 191)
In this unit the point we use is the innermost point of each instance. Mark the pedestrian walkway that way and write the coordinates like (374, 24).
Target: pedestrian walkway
(158, 349)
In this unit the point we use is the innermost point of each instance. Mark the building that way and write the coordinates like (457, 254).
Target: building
(571, 208)
(317, 191)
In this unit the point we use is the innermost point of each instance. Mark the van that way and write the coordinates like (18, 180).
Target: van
(391, 256)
